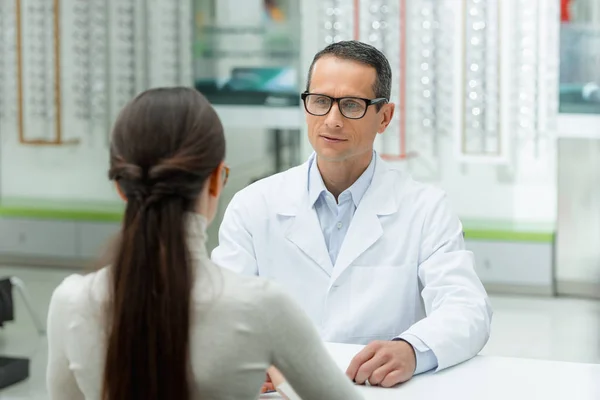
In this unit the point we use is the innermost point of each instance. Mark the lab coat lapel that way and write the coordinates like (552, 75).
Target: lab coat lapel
(365, 229)
(305, 230)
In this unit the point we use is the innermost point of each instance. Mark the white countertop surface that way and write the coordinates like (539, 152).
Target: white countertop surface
(487, 378)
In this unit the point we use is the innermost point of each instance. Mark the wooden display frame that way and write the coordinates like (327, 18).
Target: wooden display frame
(58, 139)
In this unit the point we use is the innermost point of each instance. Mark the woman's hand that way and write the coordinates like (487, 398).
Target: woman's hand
(268, 385)
(273, 380)
(276, 377)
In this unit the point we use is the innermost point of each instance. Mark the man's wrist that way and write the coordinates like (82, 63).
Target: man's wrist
(414, 351)
(426, 358)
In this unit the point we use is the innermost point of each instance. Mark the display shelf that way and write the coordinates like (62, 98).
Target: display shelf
(260, 117)
(113, 211)
(61, 210)
(579, 126)
(504, 230)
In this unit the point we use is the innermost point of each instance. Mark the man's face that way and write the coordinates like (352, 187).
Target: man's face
(333, 136)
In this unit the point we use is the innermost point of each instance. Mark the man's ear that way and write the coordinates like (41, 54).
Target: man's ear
(120, 192)
(388, 113)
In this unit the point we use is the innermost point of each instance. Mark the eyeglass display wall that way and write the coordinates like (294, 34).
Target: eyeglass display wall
(68, 67)
(470, 71)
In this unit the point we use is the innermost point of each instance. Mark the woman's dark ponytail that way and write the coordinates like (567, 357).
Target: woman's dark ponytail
(166, 143)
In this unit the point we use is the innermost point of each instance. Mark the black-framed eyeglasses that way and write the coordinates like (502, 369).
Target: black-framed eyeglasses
(225, 174)
(350, 107)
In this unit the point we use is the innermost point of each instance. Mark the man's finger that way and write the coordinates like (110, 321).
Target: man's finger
(393, 378)
(367, 369)
(380, 374)
(362, 357)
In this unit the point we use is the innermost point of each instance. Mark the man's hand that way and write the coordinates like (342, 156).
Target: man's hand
(383, 363)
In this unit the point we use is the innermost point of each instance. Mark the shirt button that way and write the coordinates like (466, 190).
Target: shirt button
(339, 225)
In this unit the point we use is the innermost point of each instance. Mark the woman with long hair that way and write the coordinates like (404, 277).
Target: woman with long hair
(162, 321)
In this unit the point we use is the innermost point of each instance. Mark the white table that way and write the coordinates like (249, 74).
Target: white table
(489, 378)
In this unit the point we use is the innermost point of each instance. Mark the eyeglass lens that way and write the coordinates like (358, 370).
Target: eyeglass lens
(349, 107)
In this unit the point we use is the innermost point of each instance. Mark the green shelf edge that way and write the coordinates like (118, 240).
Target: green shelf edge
(474, 230)
(509, 231)
(58, 210)
(509, 236)
(71, 215)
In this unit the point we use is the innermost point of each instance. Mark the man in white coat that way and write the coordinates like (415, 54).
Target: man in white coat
(372, 256)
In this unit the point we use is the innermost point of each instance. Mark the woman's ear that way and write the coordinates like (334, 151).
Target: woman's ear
(120, 192)
(216, 181)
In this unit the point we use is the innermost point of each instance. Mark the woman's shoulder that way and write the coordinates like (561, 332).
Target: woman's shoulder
(243, 284)
(256, 291)
(70, 287)
(76, 288)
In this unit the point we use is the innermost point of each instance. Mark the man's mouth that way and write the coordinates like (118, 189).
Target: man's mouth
(332, 139)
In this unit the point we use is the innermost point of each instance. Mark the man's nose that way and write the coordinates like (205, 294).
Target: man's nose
(334, 119)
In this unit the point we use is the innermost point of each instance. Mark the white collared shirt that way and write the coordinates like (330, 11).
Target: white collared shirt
(335, 216)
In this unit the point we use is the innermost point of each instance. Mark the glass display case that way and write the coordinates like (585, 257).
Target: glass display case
(247, 53)
(580, 57)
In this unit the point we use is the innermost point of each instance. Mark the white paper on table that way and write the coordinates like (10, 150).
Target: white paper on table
(286, 389)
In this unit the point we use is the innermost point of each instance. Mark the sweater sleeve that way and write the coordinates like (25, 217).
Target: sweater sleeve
(60, 381)
(298, 351)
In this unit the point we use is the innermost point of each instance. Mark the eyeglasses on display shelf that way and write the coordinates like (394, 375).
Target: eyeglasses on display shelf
(85, 29)
(446, 35)
(527, 41)
(534, 71)
(378, 21)
(124, 54)
(380, 24)
(168, 31)
(548, 78)
(423, 40)
(99, 74)
(481, 130)
(81, 79)
(4, 60)
(421, 87)
(89, 35)
(38, 52)
(336, 21)
(37, 64)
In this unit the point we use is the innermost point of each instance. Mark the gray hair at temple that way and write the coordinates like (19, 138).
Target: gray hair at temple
(354, 50)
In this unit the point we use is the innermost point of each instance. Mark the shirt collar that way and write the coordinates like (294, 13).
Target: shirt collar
(316, 186)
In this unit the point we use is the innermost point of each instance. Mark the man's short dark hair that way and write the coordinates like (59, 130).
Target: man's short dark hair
(363, 53)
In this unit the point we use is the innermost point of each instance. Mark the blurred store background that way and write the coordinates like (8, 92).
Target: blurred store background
(498, 104)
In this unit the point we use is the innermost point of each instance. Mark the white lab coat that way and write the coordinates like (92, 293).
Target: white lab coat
(402, 268)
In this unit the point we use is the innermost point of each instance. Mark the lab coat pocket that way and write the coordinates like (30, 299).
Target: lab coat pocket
(382, 300)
